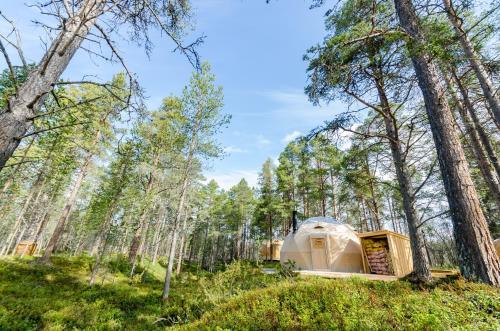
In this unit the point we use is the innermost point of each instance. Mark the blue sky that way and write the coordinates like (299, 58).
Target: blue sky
(255, 50)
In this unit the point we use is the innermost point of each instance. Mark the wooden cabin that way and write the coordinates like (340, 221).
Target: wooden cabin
(26, 247)
(386, 253)
(271, 252)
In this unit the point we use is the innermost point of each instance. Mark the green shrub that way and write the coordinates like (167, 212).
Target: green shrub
(356, 304)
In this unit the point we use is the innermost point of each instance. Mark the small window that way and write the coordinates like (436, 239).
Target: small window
(319, 227)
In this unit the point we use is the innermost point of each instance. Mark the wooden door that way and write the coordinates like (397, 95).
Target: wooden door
(318, 254)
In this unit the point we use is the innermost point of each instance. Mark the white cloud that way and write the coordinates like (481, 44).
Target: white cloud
(229, 179)
(234, 149)
(262, 141)
(291, 136)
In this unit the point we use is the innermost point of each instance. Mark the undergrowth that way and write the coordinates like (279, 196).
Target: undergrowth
(57, 297)
(238, 296)
(356, 304)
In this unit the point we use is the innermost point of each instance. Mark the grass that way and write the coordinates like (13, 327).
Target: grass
(57, 297)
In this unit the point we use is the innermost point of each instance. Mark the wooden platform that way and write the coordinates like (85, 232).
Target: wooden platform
(442, 273)
(436, 273)
(332, 274)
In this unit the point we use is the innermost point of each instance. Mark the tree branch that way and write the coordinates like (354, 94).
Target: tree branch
(50, 129)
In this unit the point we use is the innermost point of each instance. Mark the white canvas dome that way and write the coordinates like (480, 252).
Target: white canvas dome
(323, 243)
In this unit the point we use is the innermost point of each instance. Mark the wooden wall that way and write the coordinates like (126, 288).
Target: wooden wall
(400, 251)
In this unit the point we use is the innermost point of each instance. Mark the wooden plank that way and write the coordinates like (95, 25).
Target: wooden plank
(364, 258)
(441, 273)
(394, 255)
(402, 255)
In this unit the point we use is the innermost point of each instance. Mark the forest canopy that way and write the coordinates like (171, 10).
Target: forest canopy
(90, 169)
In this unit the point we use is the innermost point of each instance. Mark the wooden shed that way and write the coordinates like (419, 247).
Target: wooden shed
(26, 247)
(386, 253)
(271, 252)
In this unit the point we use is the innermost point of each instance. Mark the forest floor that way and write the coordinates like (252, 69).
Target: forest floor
(57, 297)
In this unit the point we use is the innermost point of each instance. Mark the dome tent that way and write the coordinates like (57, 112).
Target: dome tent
(323, 243)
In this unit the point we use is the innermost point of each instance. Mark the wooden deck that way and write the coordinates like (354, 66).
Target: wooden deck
(331, 274)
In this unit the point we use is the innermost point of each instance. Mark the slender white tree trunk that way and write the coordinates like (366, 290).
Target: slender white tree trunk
(181, 247)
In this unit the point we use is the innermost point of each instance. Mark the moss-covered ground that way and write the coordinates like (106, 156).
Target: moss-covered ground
(239, 297)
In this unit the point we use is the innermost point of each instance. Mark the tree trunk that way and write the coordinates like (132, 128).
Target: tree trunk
(168, 277)
(375, 210)
(420, 263)
(270, 250)
(180, 207)
(478, 259)
(41, 225)
(16, 117)
(181, 247)
(137, 239)
(334, 204)
(158, 231)
(58, 231)
(239, 239)
(213, 252)
(474, 61)
(101, 250)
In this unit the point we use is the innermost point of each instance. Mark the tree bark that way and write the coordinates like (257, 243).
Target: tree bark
(478, 259)
(15, 118)
(474, 61)
(420, 263)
